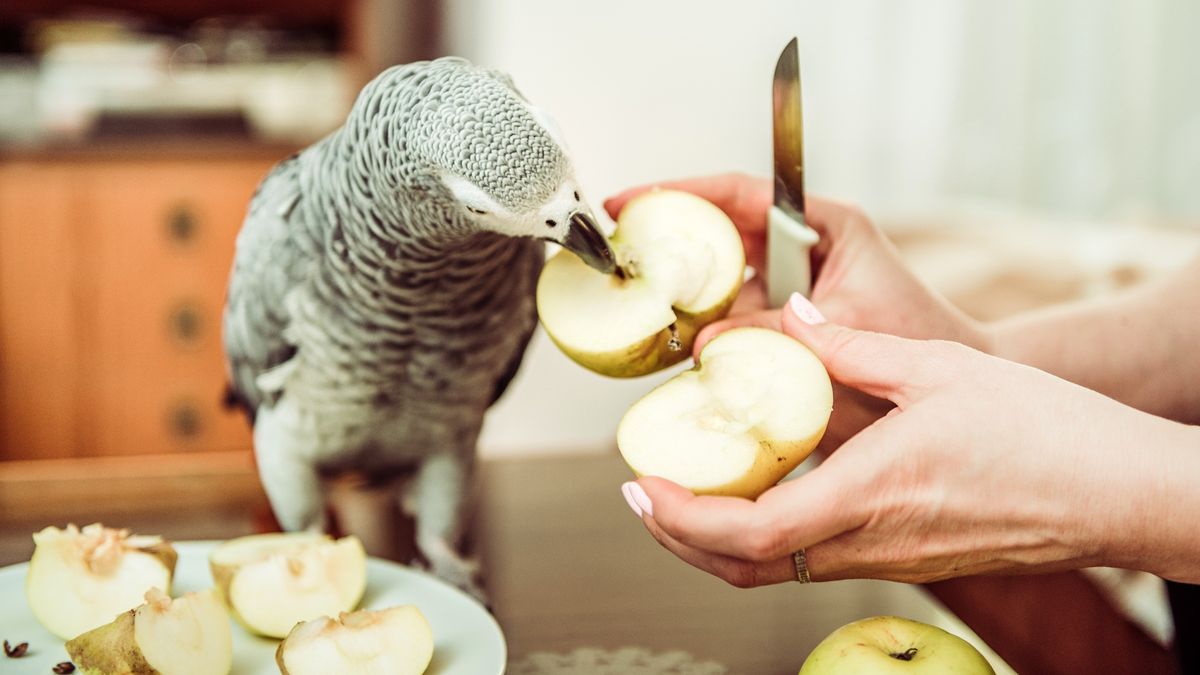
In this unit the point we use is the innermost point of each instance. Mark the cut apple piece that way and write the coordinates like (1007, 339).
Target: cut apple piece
(396, 641)
(271, 582)
(681, 266)
(752, 409)
(186, 636)
(80, 579)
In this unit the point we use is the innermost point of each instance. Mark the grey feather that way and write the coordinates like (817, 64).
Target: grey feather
(370, 321)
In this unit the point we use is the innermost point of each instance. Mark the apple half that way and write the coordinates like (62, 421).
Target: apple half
(81, 578)
(754, 406)
(271, 582)
(397, 641)
(186, 636)
(890, 645)
(680, 267)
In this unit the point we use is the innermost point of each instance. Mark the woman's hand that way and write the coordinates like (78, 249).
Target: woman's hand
(860, 281)
(983, 466)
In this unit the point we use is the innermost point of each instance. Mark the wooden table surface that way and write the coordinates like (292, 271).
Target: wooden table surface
(567, 564)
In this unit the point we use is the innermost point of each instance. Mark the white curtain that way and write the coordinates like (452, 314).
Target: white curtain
(1085, 107)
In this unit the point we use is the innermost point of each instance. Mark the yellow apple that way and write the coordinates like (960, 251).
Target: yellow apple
(186, 636)
(889, 645)
(270, 582)
(755, 405)
(396, 641)
(80, 579)
(680, 266)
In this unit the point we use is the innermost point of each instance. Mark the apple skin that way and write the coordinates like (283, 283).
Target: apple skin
(869, 646)
(653, 353)
(774, 460)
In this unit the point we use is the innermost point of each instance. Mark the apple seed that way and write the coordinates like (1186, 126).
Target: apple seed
(15, 652)
(64, 667)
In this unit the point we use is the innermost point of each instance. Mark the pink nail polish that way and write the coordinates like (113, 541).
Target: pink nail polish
(805, 310)
(639, 497)
(633, 505)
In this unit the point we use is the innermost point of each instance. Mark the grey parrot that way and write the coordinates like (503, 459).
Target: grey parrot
(382, 291)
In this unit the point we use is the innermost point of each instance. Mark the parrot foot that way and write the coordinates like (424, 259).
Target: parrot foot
(448, 565)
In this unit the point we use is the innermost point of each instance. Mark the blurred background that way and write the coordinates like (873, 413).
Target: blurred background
(1020, 153)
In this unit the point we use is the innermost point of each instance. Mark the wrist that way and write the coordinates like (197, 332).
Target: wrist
(1157, 526)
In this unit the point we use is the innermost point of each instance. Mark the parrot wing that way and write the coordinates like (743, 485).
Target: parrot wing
(271, 260)
(530, 319)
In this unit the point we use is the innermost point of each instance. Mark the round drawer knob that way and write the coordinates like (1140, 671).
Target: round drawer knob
(182, 224)
(186, 323)
(184, 420)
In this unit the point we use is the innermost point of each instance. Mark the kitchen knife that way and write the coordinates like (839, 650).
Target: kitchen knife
(788, 237)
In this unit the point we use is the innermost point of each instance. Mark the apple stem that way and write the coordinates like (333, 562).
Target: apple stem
(906, 655)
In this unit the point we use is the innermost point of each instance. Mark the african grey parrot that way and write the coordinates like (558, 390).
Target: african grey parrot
(382, 293)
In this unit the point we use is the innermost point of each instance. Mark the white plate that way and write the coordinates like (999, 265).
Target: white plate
(467, 640)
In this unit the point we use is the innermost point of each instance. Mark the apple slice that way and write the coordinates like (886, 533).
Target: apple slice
(681, 265)
(270, 582)
(80, 579)
(753, 408)
(396, 641)
(186, 636)
(890, 645)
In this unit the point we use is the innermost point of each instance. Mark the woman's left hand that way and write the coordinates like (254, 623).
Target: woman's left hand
(984, 466)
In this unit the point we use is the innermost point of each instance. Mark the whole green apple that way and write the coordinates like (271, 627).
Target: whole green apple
(890, 645)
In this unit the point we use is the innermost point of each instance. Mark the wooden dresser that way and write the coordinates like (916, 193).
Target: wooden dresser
(113, 267)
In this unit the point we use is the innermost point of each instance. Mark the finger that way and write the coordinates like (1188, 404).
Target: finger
(740, 573)
(797, 513)
(885, 366)
(743, 198)
(767, 318)
(830, 217)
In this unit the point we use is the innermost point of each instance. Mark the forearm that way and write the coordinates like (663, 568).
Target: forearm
(1141, 348)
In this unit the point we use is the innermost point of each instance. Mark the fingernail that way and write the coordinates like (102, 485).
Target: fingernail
(805, 310)
(637, 499)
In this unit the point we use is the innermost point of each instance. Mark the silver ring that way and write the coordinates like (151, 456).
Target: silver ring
(801, 561)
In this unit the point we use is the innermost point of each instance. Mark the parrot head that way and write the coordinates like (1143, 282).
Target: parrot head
(500, 160)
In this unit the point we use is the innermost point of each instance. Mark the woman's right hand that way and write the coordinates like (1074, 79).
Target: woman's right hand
(859, 281)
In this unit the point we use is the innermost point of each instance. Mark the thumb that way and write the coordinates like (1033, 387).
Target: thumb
(885, 366)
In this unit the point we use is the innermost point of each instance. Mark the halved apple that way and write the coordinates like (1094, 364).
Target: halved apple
(186, 636)
(396, 641)
(80, 579)
(270, 582)
(680, 267)
(752, 409)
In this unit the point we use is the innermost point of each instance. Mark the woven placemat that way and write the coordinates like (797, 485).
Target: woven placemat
(624, 661)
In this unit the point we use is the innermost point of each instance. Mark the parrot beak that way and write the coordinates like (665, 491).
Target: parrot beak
(585, 240)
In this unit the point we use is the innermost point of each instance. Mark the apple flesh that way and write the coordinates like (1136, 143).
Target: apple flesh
(270, 582)
(753, 408)
(680, 267)
(396, 641)
(186, 636)
(81, 578)
(890, 645)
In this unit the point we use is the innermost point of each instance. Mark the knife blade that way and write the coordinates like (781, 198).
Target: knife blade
(788, 237)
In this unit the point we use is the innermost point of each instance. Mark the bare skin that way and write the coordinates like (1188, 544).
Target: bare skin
(951, 461)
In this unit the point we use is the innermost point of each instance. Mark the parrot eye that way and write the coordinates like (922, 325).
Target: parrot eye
(476, 211)
(551, 223)
(577, 195)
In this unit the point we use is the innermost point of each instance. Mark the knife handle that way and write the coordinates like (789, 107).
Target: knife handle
(788, 266)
